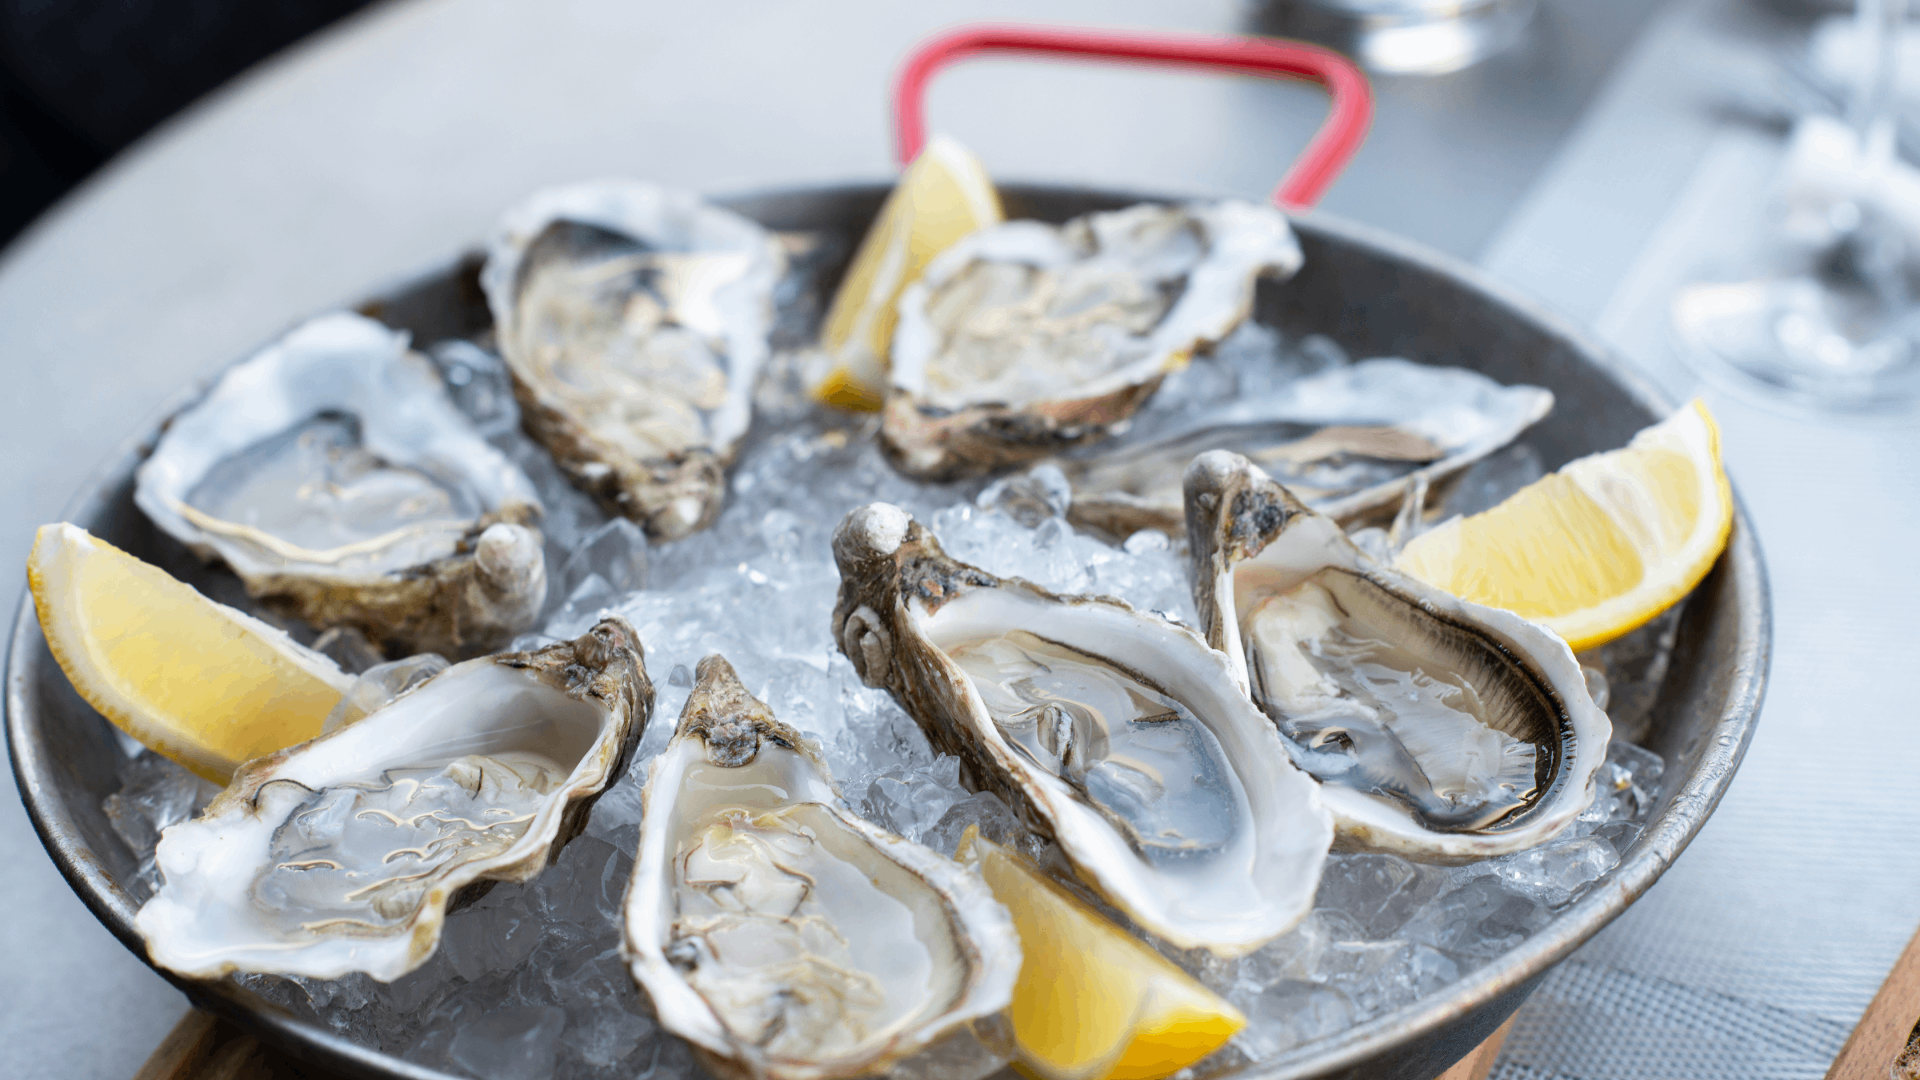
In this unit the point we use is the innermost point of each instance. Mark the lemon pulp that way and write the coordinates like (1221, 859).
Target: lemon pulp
(1093, 1002)
(1600, 547)
(197, 681)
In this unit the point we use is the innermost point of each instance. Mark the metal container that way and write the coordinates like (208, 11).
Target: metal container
(1372, 293)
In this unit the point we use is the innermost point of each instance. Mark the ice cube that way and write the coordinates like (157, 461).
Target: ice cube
(784, 535)
(1635, 665)
(1209, 382)
(411, 997)
(349, 647)
(963, 1055)
(1428, 969)
(584, 885)
(1146, 542)
(589, 597)
(618, 808)
(1379, 892)
(1295, 955)
(1030, 497)
(601, 1035)
(516, 1042)
(567, 513)
(381, 684)
(615, 552)
(1479, 918)
(662, 1059)
(909, 803)
(1488, 482)
(594, 971)
(983, 809)
(1370, 973)
(154, 793)
(1555, 873)
(1287, 1014)
(494, 935)
(1641, 767)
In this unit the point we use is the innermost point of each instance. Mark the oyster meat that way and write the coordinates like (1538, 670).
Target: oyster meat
(1117, 733)
(1024, 339)
(1442, 730)
(335, 476)
(341, 854)
(1348, 442)
(634, 319)
(780, 934)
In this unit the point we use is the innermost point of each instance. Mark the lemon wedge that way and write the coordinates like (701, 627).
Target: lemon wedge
(199, 682)
(944, 195)
(1093, 1002)
(1601, 546)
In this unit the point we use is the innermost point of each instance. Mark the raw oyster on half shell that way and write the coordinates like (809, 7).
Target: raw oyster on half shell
(1348, 442)
(1117, 733)
(334, 474)
(783, 936)
(634, 320)
(1024, 339)
(341, 854)
(1442, 730)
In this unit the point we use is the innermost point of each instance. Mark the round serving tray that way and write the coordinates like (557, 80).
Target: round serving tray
(1372, 293)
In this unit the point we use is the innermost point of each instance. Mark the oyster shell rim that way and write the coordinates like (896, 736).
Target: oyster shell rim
(448, 602)
(1120, 513)
(942, 443)
(879, 535)
(620, 688)
(1235, 511)
(614, 477)
(972, 911)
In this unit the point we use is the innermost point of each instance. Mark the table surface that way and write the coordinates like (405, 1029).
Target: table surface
(1597, 166)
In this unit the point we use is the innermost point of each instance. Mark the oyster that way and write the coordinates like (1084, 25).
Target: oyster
(1348, 442)
(780, 934)
(341, 854)
(334, 475)
(634, 320)
(1442, 730)
(1118, 733)
(1024, 339)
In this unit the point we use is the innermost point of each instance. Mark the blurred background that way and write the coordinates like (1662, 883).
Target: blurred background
(81, 79)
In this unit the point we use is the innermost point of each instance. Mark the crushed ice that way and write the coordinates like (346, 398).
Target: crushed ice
(529, 982)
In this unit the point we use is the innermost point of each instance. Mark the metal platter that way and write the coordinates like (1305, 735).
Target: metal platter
(1373, 294)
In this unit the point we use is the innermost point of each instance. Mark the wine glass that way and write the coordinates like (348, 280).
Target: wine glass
(1833, 323)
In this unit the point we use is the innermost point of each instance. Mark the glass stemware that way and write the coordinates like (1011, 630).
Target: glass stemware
(1834, 321)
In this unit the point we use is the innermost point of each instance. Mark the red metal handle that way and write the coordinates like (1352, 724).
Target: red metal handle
(1348, 116)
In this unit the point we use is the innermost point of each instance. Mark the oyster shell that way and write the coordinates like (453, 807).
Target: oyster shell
(1119, 734)
(334, 475)
(1442, 730)
(1348, 442)
(1024, 339)
(779, 933)
(341, 854)
(634, 319)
